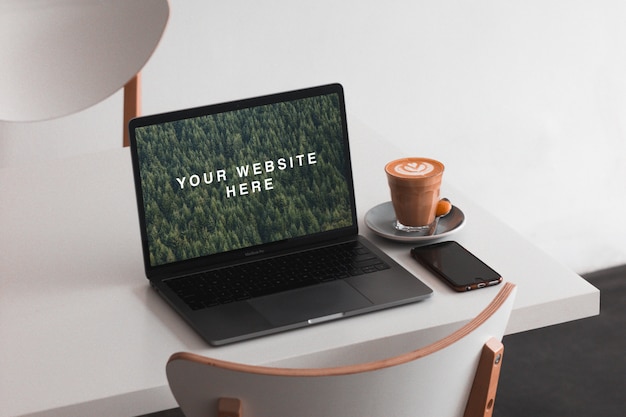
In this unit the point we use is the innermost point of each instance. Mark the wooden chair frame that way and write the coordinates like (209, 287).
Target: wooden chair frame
(132, 104)
(481, 398)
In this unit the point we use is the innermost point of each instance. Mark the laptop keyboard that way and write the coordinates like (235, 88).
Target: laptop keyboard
(273, 275)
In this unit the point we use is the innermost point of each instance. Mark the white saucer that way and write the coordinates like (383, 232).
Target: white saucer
(381, 219)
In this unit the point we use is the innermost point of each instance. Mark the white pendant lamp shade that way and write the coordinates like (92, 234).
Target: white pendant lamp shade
(58, 57)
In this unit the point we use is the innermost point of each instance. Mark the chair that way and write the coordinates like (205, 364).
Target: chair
(454, 376)
(81, 52)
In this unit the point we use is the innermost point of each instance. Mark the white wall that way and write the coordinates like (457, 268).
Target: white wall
(525, 102)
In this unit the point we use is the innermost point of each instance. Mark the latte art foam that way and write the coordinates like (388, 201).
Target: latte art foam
(414, 169)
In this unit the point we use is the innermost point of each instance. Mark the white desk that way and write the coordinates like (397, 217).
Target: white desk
(81, 332)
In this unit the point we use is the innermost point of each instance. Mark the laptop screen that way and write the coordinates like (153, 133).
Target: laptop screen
(244, 175)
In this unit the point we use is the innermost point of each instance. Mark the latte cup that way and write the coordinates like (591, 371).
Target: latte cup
(415, 185)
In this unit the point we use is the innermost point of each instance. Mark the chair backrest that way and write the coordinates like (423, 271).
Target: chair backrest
(454, 376)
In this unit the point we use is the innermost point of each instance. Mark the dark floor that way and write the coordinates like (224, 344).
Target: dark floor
(174, 412)
(572, 369)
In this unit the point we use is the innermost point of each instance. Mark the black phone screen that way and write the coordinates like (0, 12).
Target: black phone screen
(456, 265)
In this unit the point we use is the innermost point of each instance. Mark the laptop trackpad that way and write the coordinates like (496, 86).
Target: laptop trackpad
(310, 303)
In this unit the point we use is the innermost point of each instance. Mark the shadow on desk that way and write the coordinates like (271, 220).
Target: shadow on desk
(571, 369)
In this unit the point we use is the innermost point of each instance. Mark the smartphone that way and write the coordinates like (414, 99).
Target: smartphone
(456, 266)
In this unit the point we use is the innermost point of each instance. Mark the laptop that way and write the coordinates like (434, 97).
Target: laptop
(248, 218)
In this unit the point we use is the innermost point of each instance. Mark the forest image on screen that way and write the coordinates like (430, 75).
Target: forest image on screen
(238, 179)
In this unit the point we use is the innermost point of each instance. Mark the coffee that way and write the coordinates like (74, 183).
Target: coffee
(414, 184)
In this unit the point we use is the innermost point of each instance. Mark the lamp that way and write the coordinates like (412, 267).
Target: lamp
(62, 56)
